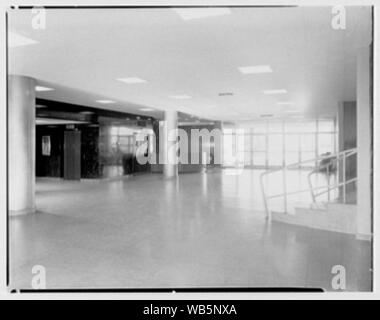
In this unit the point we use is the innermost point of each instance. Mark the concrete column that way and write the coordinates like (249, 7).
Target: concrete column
(347, 120)
(364, 142)
(167, 150)
(21, 144)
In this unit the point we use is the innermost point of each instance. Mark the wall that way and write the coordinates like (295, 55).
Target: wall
(347, 125)
(347, 119)
(49, 166)
(52, 165)
(90, 152)
(117, 146)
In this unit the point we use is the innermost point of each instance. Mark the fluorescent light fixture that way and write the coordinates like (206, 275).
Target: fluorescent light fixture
(105, 101)
(199, 13)
(180, 97)
(40, 106)
(285, 103)
(256, 69)
(86, 112)
(17, 40)
(41, 88)
(146, 109)
(275, 91)
(132, 80)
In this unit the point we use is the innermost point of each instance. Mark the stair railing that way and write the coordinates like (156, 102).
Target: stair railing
(285, 194)
(341, 156)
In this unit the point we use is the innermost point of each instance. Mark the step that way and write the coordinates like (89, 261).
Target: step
(336, 217)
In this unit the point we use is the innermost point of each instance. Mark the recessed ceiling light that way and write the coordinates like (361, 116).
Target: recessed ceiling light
(285, 103)
(198, 13)
(105, 101)
(17, 40)
(132, 80)
(87, 112)
(41, 88)
(255, 69)
(138, 117)
(180, 97)
(275, 91)
(146, 109)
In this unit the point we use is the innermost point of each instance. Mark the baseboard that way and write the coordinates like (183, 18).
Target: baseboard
(363, 237)
(15, 213)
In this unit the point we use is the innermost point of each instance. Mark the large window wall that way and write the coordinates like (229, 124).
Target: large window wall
(274, 143)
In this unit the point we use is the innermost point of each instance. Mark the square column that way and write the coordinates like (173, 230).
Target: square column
(364, 144)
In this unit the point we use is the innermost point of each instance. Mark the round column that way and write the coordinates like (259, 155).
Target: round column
(21, 144)
(170, 169)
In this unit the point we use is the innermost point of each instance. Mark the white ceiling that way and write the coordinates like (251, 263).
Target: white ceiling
(82, 52)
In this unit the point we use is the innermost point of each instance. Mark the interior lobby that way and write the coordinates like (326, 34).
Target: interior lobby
(266, 111)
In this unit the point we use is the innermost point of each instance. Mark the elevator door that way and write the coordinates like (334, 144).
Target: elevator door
(72, 155)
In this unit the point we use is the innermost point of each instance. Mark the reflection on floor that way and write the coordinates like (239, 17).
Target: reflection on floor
(202, 230)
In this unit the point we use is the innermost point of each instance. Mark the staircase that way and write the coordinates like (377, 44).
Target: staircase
(328, 216)
(336, 215)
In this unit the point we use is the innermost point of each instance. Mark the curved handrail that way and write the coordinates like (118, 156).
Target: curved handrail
(344, 153)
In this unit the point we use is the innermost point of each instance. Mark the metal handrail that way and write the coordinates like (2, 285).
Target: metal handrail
(311, 189)
(341, 155)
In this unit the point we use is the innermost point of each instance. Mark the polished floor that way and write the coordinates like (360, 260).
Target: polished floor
(202, 230)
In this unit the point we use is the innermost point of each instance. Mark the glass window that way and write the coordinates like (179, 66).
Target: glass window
(307, 142)
(292, 126)
(275, 143)
(228, 131)
(262, 143)
(247, 158)
(308, 155)
(275, 158)
(300, 126)
(240, 142)
(275, 126)
(259, 158)
(291, 157)
(292, 142)
(247, 142)
(326, 125)
(260, 127)
(307, 126)
(114, 131)
(325, 143)
(259, 142)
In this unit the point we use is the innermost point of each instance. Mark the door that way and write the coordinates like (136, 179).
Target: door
(72, 155)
